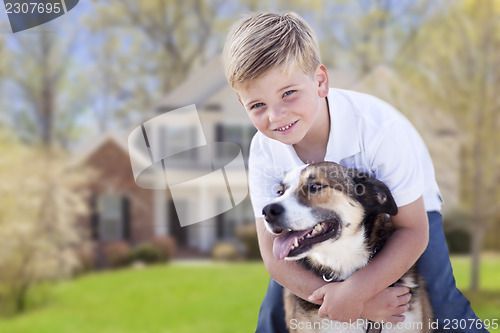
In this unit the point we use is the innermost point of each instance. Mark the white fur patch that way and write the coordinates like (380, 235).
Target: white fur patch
(344, 255)
(297, 215)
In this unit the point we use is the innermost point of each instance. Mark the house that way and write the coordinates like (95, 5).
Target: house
(438, 130)
(124, 211)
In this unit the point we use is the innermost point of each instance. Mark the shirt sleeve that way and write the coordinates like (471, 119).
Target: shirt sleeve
(396, 163)
(263, 179)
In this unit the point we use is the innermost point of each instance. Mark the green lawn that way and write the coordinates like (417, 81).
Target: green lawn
(185, 298)
(174, 298)
(486, 302)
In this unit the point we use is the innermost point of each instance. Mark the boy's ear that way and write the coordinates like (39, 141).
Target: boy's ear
(321, 77)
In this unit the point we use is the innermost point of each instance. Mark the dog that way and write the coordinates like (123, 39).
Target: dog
(334, 220)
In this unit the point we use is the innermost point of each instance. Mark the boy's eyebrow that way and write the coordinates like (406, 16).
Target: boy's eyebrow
(286, 87)
(250, 103)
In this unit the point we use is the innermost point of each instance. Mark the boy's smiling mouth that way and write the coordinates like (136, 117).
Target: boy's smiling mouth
(284, 128)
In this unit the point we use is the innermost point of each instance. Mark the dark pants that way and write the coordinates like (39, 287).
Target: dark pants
(447, 301)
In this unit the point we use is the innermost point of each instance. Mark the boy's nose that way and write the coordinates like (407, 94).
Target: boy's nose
(277, 114)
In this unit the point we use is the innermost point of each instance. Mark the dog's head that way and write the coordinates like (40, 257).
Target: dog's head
(323, 202)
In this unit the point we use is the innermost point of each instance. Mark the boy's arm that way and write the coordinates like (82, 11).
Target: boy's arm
(287, 273)
(344, 301)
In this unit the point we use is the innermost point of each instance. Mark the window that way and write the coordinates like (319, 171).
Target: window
(112, 221)
(175, 138)
(241, 134)
(228, 222)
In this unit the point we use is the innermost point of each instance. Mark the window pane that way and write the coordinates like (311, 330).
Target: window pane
(110, 220)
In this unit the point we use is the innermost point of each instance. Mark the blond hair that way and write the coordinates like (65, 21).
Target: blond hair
(261, 42)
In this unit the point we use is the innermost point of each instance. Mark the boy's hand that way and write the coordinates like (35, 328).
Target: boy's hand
(339, 302)
(388, 305)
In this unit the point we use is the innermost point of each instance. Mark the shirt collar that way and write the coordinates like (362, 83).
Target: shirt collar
(343, 141)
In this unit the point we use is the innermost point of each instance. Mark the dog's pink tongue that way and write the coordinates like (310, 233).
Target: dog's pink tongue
(283, 243)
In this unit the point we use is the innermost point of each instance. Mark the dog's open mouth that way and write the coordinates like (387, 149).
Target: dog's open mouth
(292, 243)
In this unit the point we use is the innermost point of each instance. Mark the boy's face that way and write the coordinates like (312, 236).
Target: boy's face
(284, 105)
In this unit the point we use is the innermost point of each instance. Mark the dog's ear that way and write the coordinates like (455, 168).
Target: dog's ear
(374, 194)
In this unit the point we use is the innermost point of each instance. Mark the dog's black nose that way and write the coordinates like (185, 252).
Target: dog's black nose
(273, 211)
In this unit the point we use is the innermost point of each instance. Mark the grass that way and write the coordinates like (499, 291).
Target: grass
(187, 298)
(485, 302)
(174, 298)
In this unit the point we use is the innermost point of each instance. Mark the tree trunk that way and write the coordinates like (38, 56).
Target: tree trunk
(21, 298)
(479, 216)
(477, 242)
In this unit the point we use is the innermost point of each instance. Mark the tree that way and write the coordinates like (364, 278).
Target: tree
(363, 34)
(454, 61)
(38, 211)
(146, 48)
(41, 93)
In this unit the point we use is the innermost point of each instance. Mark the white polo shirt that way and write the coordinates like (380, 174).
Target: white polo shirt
(367, 134)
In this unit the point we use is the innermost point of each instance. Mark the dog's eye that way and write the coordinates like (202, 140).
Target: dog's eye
(314, 188)
(280, 191)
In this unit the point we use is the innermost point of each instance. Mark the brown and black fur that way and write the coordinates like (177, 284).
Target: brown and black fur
(376, 203)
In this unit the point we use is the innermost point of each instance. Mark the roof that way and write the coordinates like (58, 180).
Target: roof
(385, 83)
(119, 139)
(198, 87)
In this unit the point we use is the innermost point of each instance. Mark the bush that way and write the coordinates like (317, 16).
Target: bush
(118, 254)
(147, 253)
(225, 251)
(456, 230)
(247, 234)
(459, 241)
(166, 247)
(86, 257)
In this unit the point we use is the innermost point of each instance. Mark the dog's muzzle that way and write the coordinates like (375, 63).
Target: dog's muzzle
(273, 214)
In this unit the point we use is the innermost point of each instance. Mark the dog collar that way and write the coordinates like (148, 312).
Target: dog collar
(330, 278)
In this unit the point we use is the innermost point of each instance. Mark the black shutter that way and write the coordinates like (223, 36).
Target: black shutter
(126, 219)
(94, 218)
(219, 132)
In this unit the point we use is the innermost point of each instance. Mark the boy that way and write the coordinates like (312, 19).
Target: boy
(272, 62)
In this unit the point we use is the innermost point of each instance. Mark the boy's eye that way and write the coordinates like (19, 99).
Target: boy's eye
(289, 92)
(256, 105)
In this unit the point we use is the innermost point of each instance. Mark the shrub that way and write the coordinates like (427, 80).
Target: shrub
(117, 254)
(247, 234)
(459, 241)
(225, 251)
(147, 253)
(166, 247)
(456, 229)
(86, 258)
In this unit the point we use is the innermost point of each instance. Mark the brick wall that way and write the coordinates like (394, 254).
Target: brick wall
(114, 176)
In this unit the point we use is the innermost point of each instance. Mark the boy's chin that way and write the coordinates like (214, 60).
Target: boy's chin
(287, 139)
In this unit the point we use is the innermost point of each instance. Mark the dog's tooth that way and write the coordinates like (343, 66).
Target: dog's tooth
(296, 242)
(316, 230)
